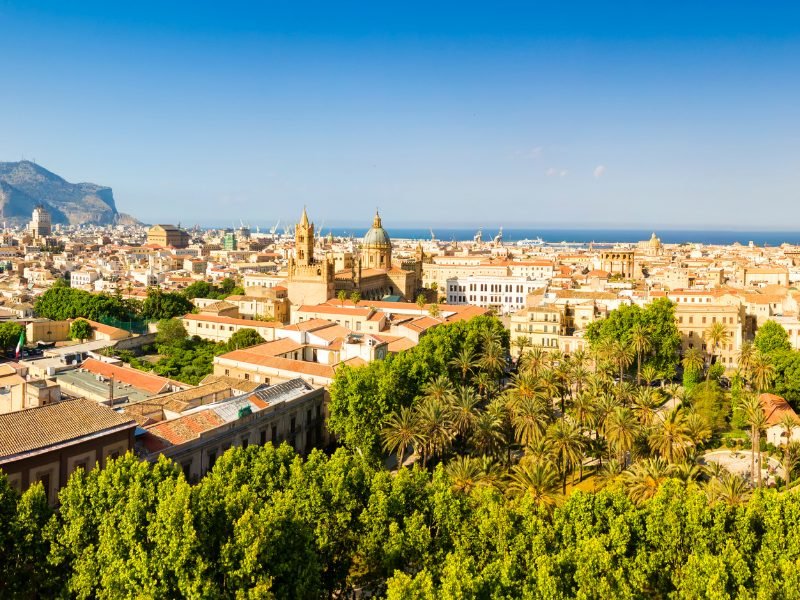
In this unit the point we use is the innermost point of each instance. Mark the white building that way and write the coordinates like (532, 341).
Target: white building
(504, 295)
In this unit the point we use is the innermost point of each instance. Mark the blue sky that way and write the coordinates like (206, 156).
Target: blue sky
(618, 114)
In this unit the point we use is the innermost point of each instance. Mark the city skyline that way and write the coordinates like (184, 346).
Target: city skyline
(663, 117)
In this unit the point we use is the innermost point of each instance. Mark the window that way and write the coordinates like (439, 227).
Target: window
(245, 442)
(262, 437)
(274, 433)
(212, 458)
(45, 479)
(186, 468)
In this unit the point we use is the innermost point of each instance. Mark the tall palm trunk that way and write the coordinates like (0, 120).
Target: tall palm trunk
(638, 368)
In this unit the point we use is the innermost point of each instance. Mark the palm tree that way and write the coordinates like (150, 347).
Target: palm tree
(525, 385)
(649, 374)
(643, 479)
(641, 344)
(687, 471)
(620, 428)
(757, 421)
(400, 432)
(744, 359)
(645, 402)
(529, 418)
(697, 429)
(536, 480)
(669, 437)
(534, 361)
(568, 443)
(464, 410)
(521, 343)
(584, 409)
(465, 473)
(715, 334)
(464, 362)
(342, 295)
(421, 301)
(434, 427)
(791, 457)
(693, 360)
(483, 381)
(728, 488)
(610, 471)
(622, 356)
(440, 389)
(487, 434)
(788, 422)
(762, 372)
(493, 359)
(355, 298)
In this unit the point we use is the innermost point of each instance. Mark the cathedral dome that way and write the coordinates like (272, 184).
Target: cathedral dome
(377, 237)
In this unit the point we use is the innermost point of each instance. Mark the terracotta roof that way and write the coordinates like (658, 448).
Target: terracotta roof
(775, 408)
(138, 379)
(188, 427)
(63, 422)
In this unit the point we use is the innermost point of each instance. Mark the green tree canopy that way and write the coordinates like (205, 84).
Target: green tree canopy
(244, 338)
(80, 329)
(656, 322)
(771, 337)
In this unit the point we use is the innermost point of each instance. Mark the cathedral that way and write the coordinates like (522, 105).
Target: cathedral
(373, 272)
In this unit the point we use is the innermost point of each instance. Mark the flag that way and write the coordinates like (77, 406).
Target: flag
(21, 342)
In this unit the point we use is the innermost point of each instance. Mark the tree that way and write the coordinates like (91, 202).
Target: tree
(465, 473)
(433, 310)
(244, 338)
(620, 428)
(757, 421)
(657, 318)
(355, 297)
(771, 337)
(537, 481)
(788, 423)
(170, 332)
(520, 343)
(669, 436)
(400, 432)
(621, 354)
(693, 360)
(80, 329)
(763, 372)
(421, 301)
(465, 361)
(715, 334)
(342, 295)
(10, 334)
(640, 342)
(165, 305)
(434, 428)
(568, 443)
(644, 478)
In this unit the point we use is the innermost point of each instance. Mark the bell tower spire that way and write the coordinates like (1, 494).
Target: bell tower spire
(304, 241)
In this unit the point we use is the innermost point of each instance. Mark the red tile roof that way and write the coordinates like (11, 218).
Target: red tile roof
(138, 379)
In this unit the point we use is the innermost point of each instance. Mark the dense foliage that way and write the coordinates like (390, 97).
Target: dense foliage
(61, 302)
(80, 329)
(177, 356)
(629, 324)
(204, 289)
(363, 397)
(9, 334)
(268, 524)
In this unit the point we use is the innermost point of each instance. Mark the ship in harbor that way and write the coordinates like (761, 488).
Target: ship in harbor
(528, 243)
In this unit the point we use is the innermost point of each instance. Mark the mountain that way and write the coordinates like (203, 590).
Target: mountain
(24, 184)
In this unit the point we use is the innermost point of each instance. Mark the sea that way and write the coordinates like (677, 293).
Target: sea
(586, 236)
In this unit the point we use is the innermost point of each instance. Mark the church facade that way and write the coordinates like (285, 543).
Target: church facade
(374, 273)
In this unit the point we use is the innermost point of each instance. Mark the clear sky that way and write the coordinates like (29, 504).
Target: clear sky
(444, 113)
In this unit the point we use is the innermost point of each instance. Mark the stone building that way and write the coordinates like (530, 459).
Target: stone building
(168, 235)
(309, 280)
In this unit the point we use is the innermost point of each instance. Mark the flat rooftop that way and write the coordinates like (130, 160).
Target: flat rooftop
(91, 385)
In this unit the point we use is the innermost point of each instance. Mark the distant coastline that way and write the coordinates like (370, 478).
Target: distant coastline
(585, 236)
